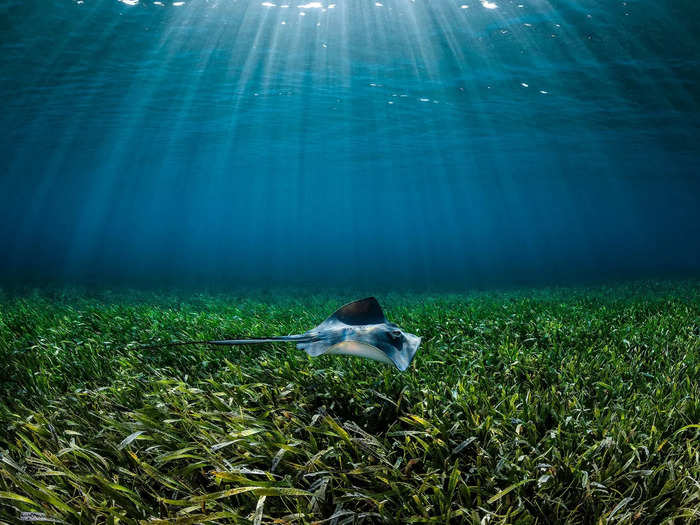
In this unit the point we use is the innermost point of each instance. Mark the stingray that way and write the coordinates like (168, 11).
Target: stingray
(357, 329)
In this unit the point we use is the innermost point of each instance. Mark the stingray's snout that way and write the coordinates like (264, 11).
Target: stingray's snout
(408, 352)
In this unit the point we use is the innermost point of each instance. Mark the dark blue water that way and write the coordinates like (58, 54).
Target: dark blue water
(409, 144)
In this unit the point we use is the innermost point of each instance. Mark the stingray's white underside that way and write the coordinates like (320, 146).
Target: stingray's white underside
(359, 350)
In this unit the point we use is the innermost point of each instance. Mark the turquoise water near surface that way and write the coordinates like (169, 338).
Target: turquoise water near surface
(396, 143)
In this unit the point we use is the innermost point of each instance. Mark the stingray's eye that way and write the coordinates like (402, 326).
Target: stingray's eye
(396, 334)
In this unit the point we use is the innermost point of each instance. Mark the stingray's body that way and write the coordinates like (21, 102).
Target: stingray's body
(358, 329)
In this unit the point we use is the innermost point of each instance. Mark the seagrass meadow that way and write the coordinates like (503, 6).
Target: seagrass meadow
(550, 405)
(568, 405)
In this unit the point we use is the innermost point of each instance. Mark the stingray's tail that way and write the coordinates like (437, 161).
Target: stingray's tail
(232, 342)
(253, 340)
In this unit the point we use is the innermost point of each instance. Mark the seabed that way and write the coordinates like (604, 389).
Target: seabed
(567, 405)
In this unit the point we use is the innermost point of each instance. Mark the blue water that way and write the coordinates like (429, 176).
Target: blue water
(400, 143)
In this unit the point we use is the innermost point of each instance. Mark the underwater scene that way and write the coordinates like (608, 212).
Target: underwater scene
(349, 262)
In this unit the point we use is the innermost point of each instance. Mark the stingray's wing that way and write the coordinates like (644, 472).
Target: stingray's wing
(328, 333)
(358, 313)
(362, 312)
